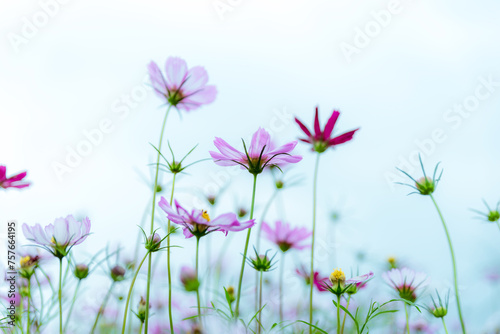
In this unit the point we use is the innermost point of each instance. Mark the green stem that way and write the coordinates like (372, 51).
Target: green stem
(59, 296)
(197, 278)
(29, 305)
(237, 309)
(169, 273)
(407, 320)
(130, 292)
(498, 224)
(345, 314)
(282, 269)
(103, 306)
(260, 302)
(444, 325)
(454, 265)
(148, 286)
(72, 304)
(315, 186)
(338, 314)
(140, 328)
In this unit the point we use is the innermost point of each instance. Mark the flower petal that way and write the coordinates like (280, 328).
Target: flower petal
(330, 125)
(176, 70)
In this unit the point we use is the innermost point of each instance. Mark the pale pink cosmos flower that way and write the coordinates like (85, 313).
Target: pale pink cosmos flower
(60, 237)
(406, 282)
(15, 181)
(285, 236)
(183, 88)
(198, 223)
(259, 155)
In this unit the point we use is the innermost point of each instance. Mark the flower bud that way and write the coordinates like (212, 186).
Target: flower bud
(425, 185)
(230, 293)
(493, 216)
(159, 189)
(242, 212)
(141, 310)
(118, 273)
(279, 184)
(153, 242)
(440, 312)
(261, 262)
(81, 271)
(211, 199)
(189, 279)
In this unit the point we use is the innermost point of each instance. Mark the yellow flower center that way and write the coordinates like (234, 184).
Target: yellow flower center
(391, 260)
(53, 240)
(337, 276)
(24, 261)
(205, 215)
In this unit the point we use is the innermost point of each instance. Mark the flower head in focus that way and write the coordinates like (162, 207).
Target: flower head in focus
(340, 285)
(15, 181)
(285, 236)
(258, 156)
(30, 257)
(261, 262)
(439, 308)
(321, 140)
(424, 185)
(183, 88)
(60, 237)
(406, 282)
(198, 223)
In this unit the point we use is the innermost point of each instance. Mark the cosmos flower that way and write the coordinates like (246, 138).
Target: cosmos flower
(15, 181)
(183, 88)
(60, 237)
(340, 285)
(424, 185)
(198, 223)
(318, 281)
(261, 153)
(406, 282)
(492, 215)
(285, 236)
(322, 140)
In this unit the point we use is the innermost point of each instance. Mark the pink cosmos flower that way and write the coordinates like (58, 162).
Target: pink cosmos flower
(406, 282)
(318, 281)
(60, 237)
(322, 140)
(285, 236)
(260, 154)
(15, 181)
(186, 89)
(340, 285)
(198, 223)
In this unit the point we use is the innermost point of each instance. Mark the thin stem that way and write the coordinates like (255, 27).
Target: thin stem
(444, 325)
(102, 307)
(454, 265)
(130, 292)
(59, 296)
(407, 320)
(236, 310)
(282, 269)
(169, 274)
(140, 328)
(148, 286)
(315, 186)
(72, 304)
(345, 313)
(197, 278)
(338, 314)
(29, 305)
(498, 224)
(260, 302)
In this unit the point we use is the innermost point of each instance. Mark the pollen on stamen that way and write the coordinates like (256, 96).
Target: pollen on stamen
(205, 215)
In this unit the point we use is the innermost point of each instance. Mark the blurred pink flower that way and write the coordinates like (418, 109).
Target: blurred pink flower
(406, 282)
(15, 181)
(260, 154)
(322, 140)
(57, 237)
(318, 281)
(198, 222)
(285, 236)
(182, 88)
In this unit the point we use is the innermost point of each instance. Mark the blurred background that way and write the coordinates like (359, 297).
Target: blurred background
(416, 76)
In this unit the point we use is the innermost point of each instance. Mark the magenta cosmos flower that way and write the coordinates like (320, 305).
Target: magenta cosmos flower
(322, 140)
(340, 285)
(60, 237)
(285, 236)
(186, 89)
(198, 223)
(406, 282)
(318, 281)
(260, 154)
(15, 181)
